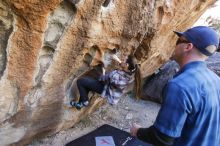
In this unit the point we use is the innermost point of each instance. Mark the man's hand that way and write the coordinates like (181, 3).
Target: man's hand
(134, 128)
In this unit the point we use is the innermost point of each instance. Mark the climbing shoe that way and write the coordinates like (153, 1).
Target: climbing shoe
(79, 105)
(72, 103)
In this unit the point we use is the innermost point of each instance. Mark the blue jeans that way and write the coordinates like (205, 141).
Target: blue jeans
(86, 84)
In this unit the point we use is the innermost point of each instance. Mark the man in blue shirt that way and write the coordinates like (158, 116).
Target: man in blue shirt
(190, 112)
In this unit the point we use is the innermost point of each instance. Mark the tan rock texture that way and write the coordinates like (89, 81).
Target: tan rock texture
(46, 44)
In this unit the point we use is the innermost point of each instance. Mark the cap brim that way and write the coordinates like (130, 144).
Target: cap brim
(179, 34)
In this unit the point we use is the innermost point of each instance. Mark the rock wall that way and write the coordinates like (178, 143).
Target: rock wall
(46, 44)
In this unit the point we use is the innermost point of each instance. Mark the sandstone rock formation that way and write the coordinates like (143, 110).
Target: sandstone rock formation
(45, 44)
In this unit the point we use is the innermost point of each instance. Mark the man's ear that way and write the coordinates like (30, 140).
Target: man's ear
(189, 47)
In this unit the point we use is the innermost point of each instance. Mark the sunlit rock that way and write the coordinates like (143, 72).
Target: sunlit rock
(45, 45)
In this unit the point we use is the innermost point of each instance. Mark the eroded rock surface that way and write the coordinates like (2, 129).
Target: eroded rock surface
(46, 44)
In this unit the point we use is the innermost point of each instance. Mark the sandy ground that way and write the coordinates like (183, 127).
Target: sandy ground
(127, 111)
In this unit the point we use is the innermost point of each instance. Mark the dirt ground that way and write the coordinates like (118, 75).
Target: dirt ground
(127, 111)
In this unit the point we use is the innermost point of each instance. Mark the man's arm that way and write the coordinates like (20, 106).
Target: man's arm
(151, 135)
(155, 137)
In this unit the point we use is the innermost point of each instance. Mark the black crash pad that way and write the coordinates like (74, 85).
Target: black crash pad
(120, 137)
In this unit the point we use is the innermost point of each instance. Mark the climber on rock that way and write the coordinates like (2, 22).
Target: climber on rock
(112, 85)
(89, 81)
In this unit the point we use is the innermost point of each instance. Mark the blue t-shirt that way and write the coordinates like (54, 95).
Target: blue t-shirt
(190, 111)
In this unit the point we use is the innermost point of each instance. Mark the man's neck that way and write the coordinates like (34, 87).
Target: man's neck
(192, 59)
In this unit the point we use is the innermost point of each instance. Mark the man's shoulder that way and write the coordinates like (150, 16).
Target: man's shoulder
(183, 78)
